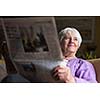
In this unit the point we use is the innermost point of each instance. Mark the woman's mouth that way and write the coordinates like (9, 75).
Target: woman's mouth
(72, 44)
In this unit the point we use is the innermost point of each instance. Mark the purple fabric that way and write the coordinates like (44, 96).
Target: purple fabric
(82, 70)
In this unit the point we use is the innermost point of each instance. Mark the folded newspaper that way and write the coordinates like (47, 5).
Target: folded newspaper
(34, 40)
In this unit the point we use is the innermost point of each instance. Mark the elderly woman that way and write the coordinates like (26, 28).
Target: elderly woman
(76, 70)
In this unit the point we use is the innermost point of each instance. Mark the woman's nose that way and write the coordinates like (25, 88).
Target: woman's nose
(71, 40)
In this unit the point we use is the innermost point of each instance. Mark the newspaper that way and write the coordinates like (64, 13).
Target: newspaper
(34, 41)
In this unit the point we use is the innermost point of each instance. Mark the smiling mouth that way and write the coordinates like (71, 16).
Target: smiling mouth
(71, 45)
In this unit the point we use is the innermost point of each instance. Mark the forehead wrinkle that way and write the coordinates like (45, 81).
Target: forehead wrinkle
(71, 34)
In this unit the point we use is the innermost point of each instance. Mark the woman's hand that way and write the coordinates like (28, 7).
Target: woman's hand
(63, 74)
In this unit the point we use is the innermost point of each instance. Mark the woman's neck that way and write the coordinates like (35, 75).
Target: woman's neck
(69, 56)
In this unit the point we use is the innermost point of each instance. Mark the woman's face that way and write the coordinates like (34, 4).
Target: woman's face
(70, 44)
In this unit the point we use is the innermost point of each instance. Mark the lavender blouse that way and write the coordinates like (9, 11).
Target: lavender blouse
(82, 70)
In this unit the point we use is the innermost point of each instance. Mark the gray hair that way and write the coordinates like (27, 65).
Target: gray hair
(63, 32)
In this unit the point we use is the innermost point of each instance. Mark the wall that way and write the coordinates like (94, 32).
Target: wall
(97, 35)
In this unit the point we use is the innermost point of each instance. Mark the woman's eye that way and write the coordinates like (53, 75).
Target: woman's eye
(66, 38)
(75, 39)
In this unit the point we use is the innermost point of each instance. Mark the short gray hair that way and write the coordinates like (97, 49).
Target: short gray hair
(63, 32)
